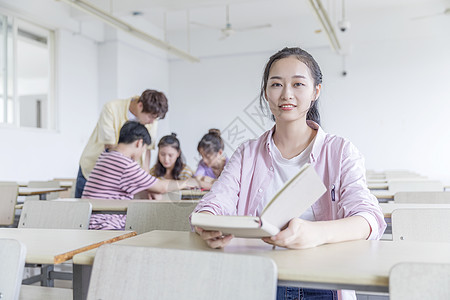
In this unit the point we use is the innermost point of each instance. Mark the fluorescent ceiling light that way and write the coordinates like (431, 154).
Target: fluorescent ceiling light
(119, 24)
(322, 15)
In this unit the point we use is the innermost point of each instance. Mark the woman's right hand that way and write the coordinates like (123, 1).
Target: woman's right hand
(205, 182)
(214, 239)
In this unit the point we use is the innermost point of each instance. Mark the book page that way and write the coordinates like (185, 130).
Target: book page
(296, 196)
(239, 226)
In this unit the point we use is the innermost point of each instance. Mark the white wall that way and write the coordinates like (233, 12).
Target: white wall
(93, 66)
(33, 154)
(393, 104)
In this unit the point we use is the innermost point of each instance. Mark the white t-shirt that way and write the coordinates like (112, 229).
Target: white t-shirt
(285, 169)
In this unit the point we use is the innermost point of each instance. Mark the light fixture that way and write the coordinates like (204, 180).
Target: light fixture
(119, 24)
(324, 20)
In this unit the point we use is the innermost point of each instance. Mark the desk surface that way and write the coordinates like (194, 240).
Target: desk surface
(377, 185)
(54, 246)
(26, 191)
(383, 194)
(360, 265)
(108, 205)
(388, 208)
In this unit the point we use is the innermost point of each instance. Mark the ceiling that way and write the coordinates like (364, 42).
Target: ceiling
(250, 12)
(287, 18)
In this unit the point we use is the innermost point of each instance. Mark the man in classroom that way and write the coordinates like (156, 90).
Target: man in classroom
(146, 109)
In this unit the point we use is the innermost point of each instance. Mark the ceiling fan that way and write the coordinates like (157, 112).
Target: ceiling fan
(442, 13)
(228, 30)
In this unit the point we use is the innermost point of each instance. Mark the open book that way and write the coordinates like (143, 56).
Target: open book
(292, 200)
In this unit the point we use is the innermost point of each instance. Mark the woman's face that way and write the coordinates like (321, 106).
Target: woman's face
(168, 155)
(290, 89)
(211, 159)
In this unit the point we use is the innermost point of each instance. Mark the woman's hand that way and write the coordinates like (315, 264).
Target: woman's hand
(205, 182)
(214, 239)
(299, 234)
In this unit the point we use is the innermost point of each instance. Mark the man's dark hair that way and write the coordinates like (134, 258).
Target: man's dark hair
(154, 102)
(133, 131)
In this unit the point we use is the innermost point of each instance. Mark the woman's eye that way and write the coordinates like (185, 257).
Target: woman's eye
(298, 84)
(276, 84)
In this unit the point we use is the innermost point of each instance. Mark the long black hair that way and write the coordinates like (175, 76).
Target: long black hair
(313, 66)
(172, 141)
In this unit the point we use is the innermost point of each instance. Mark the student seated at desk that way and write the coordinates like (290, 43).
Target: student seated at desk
(291, 86)
(170, 164)
(117, 175)
(213, 161)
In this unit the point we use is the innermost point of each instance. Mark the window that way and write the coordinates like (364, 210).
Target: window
(26, 74)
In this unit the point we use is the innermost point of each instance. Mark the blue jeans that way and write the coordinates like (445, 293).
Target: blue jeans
(294, 293)
(81, 182)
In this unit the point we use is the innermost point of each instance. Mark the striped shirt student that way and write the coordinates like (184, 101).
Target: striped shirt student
(117, 175)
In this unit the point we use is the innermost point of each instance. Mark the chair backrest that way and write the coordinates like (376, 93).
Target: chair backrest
(46, 184)
(154, 215)
(12, 263)
(70, 183)
(55, 214)
(8, 201)
(154, 273)
(422, 197)
(172, 196)
(415, 185)
(414, 281)
(422, 225)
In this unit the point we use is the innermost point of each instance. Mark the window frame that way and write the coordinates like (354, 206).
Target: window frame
(32, 28)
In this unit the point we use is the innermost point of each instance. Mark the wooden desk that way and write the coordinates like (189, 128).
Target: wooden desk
(54, 246)
(388, 208)
(356, 265)
(112, 206)
(383, 195)
(192, 194)
(377, 185)
(42, 192)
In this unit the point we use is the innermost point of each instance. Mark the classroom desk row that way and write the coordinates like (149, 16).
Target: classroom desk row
(120, 206)
(357, 265)
(42, 192)
(112, 206)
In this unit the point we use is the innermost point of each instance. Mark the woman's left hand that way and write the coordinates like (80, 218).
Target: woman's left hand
(299, 234)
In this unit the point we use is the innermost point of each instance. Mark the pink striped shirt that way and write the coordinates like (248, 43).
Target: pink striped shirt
(116, 176)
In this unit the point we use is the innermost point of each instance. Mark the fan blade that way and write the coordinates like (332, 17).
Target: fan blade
(253, 27)
(206, 25)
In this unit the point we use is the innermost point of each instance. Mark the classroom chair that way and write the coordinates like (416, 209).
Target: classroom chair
(422, 197)
(422, 225)
(53, 214)
(8, 201)
(130, 272)
(12, 262)
(414, 281)
(34, 292)
(45, 184)
(157, 215)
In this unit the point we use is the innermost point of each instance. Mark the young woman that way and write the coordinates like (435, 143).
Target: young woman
(170, 164)
(291, 86)
(213, 160)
